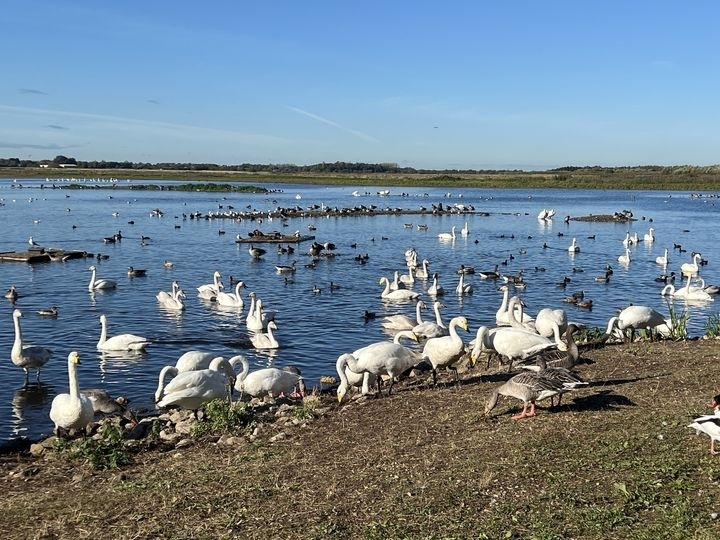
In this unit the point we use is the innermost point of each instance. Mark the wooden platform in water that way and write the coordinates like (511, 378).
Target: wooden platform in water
(274, 239)
(41, 255)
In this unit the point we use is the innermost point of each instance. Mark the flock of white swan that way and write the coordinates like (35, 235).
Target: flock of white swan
(198, 377)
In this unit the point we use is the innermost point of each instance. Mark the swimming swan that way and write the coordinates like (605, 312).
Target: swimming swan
(448, 236)
(209, 291)
(400, 294)
(265, 340)
(232, 299)
(99, 284)
(121, 342)
(73, 410)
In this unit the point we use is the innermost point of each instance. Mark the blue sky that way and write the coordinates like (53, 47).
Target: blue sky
(480, 85)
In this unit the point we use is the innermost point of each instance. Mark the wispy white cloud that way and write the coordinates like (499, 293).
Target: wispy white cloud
(359, 134)
(123, 123)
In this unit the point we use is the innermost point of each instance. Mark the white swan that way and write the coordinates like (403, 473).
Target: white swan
(266, 340)
(189, 361)
(512, 343)
(192, 389)
(692, 268)
(73, 410)
(400, 294)
(436, 289)
(258, 319)
(688, 292)
(388, 358)
(635, 318)
(27, 356)
(99, 284)
(272, 381)
(209, 291)
(422, 272)
(445, 351)
(232, 299)
(552, 323)
(502, 317)
(625, 259)
(431, 329)
(409, 278)
(662, 259)
(396, 284)
(172, 300)
(465, 230)
(446, 235)
(121, 342)
(574, 247)
(362, 380)
(627, 242)
(401, 321)
(462, 287)
(649, 236)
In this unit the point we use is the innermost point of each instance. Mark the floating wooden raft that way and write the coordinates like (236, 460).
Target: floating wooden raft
(40, 255)
(274, 239)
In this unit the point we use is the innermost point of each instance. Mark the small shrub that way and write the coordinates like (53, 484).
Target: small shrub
(222, 417)
(106, 452)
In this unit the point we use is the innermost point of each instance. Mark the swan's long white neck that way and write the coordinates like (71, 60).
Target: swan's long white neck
(504, 304)
(72, 376)
(418, 314)
(438, 318)
(18, 333)
(173, 371)
(103, 330)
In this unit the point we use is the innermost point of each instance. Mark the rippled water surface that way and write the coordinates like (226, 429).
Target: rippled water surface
(313, 328)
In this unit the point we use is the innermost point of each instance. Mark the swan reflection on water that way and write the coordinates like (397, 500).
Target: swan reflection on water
(29, 404)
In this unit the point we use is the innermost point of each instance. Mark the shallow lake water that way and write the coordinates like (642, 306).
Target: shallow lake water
(313, 328)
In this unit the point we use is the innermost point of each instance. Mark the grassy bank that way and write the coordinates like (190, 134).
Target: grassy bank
(658, 178)
(615, 461)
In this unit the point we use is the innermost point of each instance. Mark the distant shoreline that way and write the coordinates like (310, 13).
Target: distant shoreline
(640, 178)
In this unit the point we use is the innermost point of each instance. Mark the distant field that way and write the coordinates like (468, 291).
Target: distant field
(656, 178)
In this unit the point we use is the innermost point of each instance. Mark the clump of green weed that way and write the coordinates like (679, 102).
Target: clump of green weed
(222, 417)
(678, 324)
(712, 325)
(105, 452)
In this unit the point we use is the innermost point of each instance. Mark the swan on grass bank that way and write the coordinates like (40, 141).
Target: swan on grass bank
(192, 389)
(121, 342)
(73, 410)
(189, 361)
(388, 358)
(27, 356)
(445, 351)
(99, 284)
(635, 318)
(273, 382)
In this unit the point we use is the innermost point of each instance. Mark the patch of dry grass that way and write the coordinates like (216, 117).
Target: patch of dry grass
(616, 460)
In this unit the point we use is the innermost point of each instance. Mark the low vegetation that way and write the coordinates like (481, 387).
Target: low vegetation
(680, 178)
(615, 460)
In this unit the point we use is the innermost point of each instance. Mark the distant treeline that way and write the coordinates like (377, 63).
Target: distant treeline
(338, 167)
